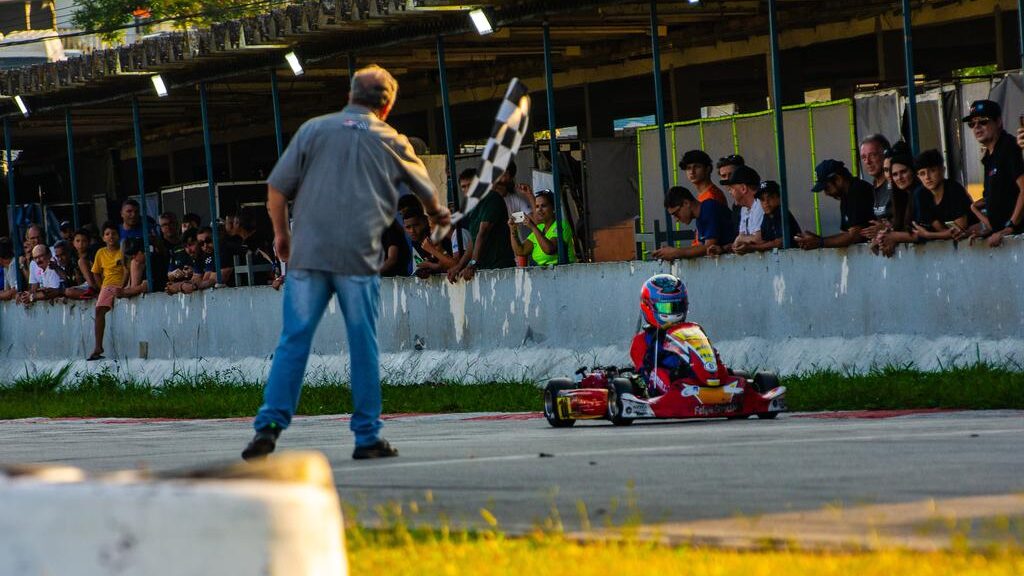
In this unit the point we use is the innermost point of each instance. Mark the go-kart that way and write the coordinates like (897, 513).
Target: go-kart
(705, 389)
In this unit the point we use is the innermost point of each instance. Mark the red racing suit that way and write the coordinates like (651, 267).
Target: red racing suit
(652, 346)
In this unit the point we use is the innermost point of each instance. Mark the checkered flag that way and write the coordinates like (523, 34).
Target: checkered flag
(507, 134)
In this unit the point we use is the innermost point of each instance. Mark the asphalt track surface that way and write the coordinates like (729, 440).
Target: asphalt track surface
(521, 470)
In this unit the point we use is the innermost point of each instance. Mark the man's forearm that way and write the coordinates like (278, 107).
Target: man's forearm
(1018, 210)
(481, 239)
(843, 239)
(277, 208)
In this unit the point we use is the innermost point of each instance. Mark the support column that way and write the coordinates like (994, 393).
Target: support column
(137, 126)
(275, 101)
(449, 138)
(556, 187)
(997, 16)
(210, 184)
(659, 109)
(1020, 30)
(19, 282)
(72, 174)
(880, 48)
(908, 56)
(780, 138)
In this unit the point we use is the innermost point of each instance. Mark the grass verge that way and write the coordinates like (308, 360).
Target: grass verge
(104, 394)
(409, 553)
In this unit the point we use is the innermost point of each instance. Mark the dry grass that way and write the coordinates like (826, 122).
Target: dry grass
(399, 552)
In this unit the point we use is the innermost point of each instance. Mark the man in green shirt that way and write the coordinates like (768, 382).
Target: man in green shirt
(488, 227)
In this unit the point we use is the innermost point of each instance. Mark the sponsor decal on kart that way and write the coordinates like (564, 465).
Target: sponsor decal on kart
(691, 337)
(633, 408)
(710, 396)
(716, 409)
(775, 392)
(563, 405)
(689, 391)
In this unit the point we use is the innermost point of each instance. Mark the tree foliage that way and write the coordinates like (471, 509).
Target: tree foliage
(109, 18)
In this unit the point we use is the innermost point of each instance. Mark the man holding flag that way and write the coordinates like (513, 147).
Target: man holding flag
(342, 171)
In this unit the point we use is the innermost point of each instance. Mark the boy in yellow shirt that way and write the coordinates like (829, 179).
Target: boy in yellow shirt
(111, 275)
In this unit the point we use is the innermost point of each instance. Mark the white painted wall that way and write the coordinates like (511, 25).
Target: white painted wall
(792, 311)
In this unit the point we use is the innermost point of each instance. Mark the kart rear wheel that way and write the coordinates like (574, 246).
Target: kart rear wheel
(616, 389)
(765, 382)
(550, 403)
(740, 374)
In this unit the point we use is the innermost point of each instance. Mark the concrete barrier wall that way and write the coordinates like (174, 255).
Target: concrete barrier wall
(280, 517)
(931, 306)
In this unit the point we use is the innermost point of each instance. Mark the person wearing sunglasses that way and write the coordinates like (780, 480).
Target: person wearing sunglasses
(1001, 208)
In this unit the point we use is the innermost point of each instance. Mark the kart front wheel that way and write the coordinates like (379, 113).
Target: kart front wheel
(551, 402)
(616, 389)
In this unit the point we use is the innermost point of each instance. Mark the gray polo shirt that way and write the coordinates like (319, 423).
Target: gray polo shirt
(343, 171)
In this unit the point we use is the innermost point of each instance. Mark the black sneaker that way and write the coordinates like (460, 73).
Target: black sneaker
(262, 443)
(379, 449)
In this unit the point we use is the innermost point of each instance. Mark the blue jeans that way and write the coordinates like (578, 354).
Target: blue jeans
(306, 294)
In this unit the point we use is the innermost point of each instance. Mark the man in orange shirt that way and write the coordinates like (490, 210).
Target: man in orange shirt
(696, 164)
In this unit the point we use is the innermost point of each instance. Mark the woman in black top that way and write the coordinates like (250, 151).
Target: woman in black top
(944, 206)
(899, 168)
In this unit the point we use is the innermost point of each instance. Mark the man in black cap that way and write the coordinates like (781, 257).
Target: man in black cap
(696, 164)
(67, 231)
(743, 184)
(1001, 209)
(856, 206)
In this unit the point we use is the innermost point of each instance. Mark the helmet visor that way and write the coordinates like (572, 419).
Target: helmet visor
(669, 307)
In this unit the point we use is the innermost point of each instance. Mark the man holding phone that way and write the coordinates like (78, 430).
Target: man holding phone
(1001, 209)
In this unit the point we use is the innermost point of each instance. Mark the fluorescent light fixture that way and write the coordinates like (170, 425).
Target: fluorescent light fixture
(694, 1)
(21, 106)
(293, 61)
(158, 85)
(481, 22)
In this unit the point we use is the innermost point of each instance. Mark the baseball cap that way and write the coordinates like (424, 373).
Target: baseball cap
(695, 157)
(65, 225)
(768, 187)
(984, 109)
(744, 175)
(824, 171)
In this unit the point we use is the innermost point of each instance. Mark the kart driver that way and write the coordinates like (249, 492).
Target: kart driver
(664, 303)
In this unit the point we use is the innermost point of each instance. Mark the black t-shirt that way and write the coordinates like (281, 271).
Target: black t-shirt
(771, 226)
(394, 235)
(857, 206)
(883, 201)
(956, 202)
(1002, 168)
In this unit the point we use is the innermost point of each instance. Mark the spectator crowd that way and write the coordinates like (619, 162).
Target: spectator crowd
(905, 199)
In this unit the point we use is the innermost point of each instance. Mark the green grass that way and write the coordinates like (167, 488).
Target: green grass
(63, 394)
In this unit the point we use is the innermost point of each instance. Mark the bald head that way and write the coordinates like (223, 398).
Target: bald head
(375, 88)
(40, 250)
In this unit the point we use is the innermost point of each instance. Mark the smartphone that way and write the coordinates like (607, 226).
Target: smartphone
(519, 217)
(951, 224)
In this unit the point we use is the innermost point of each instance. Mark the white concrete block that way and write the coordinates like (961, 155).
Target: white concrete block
(257, 521)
